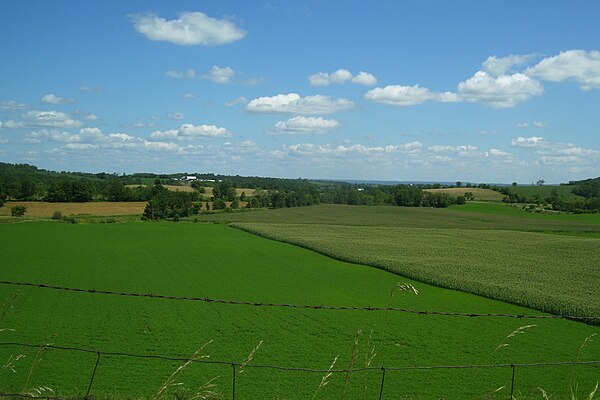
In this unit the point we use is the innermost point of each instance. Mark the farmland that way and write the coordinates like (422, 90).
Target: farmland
(221, 262)
(543, 191)
(478, 193)
(45, 209)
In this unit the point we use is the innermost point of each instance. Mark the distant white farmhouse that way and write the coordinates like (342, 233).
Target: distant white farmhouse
(189, 178)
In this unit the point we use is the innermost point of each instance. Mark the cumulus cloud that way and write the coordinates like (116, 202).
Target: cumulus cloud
(50, 119)
(85, 135)
(88, 89)
(533, 124)
(236, 101)
(503, 91)
(532, 141)
(304, 125)
(189, 74)
(497, 66)
(219, 74)
(175, 115)
(191, 28)
(53, 99)
(13, 105)
(364, 78)
(292, 103)
(190, 131)
(557, 153)
(453, 149)
(578, 66)
(358, 150)
(341, 76)
(10, 124)
(399, 95)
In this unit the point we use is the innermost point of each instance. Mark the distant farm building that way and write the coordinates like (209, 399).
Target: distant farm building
(189, 178)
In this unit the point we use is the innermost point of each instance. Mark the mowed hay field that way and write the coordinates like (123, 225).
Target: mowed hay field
(480, 194)
(45, 209)
(218, 261)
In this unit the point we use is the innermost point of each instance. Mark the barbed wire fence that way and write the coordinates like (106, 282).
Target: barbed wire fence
(236, 365)
(302, 306)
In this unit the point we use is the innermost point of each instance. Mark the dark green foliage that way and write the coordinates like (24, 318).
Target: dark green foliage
(57, 215)
(167, 204)
(219, 204)
(18, 211)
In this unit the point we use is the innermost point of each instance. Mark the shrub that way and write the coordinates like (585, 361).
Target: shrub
(18, 211)
(57, 215)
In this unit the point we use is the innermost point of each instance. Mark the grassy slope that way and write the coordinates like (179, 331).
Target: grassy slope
(218, 261)
(544, 191)
(556, 274)
(470, 216)
(480, 194)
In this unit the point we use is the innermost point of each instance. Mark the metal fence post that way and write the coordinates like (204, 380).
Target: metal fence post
(233, 382)
(93, 375)
(382, 382)
(512, 382)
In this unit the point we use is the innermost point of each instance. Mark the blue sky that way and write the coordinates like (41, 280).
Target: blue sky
(388, 90)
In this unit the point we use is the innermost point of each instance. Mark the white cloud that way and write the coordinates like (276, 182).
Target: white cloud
(175, 115)
(165, 135)
(558, 153)
(534, 124)
(188, 96)
(304, 125)
(190, 131)
(532, 141)
(497, 66)
(219, 74)
(364, 78)
(10, 124)
(292, 103)
(189, 74)
(90, 134)
(191, 28)
(80, 146)
(399, 95)
(161, 146)
(88, 89)
(358, 150)
(498, 153)
(13, 105)
(50, 119)
(91, 117)
(53, 99)
(341, 76)
(54, 135)
(578, 66)
(503, 91)
(324, 79)
(453, 149)
(236, 101)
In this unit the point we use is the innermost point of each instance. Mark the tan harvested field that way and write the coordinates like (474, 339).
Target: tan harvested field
(480, 194)
(44, 209)
(172, 187)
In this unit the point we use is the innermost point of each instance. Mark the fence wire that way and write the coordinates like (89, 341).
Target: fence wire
(300, 306)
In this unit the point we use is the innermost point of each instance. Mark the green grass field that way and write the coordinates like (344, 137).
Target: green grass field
(469, 216)
(544, 191)
(222, 262)
(551, 273)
